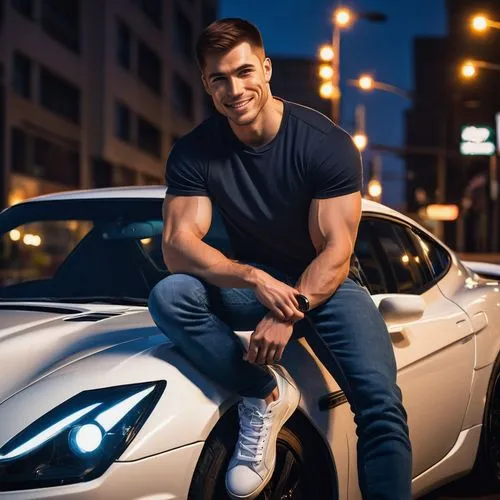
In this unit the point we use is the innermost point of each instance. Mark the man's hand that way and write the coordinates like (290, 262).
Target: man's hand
(278, 297)
(268, 341)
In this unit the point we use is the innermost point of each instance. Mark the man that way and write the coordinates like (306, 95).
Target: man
(287, 183)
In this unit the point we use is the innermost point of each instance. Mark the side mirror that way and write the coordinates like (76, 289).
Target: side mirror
(400, 308)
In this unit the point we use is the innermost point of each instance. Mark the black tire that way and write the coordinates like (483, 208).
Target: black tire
(302, 472)
(487, 466)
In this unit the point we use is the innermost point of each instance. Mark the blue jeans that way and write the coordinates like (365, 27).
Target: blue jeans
(347, 333)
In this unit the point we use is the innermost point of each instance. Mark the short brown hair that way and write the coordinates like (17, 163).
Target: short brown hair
(223, 35)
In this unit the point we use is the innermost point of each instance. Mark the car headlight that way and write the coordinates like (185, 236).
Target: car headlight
(79, 439)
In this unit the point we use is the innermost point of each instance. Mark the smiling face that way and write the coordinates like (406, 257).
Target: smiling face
(238, 82)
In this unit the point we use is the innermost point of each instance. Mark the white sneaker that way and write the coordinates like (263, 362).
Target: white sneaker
(252, 464)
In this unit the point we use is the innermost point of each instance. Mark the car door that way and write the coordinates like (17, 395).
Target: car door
(434, 354)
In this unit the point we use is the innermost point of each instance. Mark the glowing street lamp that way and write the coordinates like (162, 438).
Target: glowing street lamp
(365, 82)
(342, 17)
(325, 72)
(360, 140)
(326, 53)
(375, 188)
(468, 69)
(480, 23)
(326, 90)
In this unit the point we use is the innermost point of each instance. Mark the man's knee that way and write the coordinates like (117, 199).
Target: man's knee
(175, 293)
(379, 400)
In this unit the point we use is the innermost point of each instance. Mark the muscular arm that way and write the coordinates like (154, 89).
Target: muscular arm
(186, 221)
(333, 226)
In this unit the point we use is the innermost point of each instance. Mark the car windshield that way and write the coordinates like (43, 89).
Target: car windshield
(99, 250)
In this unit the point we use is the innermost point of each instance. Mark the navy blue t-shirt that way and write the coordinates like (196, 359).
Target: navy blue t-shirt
(263, 194)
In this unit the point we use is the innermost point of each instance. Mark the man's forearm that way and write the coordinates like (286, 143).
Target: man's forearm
(324, 275)
(185, 253)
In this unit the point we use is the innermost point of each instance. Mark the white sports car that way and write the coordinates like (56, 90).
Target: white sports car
(96, 403)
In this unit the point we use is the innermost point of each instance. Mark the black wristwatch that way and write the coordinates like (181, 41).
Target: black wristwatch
(303, 303)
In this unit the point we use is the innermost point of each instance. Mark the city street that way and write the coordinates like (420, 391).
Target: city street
(225, 221)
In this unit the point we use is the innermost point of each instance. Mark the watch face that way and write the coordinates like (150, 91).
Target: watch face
(303, 303)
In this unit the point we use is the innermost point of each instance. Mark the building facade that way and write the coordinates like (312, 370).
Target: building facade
(444, 103)
(94, 94)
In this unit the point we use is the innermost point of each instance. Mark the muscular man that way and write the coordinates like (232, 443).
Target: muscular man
(287, 183)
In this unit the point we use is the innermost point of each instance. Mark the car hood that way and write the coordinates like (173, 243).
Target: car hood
(36, 339)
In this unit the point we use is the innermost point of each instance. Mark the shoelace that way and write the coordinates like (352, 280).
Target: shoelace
(254, 427)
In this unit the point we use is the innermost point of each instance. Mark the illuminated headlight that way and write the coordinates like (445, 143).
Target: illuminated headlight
(78, 440)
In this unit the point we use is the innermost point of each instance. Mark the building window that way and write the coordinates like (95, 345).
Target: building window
(18, 150)
(183, 97)
(124, 176)
(102, 172)
(59, 96)
(149, 68)
(183, 34)
(122, 122)
(123, 45)
(48, 160)
(153, 10)
(21, 75)
(148, 137)
(56, 163)
(24, 7)
(61, 20)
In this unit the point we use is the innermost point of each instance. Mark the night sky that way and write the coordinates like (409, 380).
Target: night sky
(299, 27)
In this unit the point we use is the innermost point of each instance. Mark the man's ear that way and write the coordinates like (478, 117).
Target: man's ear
(268, 69)
(205, 84)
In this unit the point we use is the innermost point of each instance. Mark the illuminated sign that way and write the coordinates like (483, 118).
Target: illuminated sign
(441, 212)
(477, 140)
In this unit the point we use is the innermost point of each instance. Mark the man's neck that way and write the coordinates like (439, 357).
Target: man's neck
(264, 128)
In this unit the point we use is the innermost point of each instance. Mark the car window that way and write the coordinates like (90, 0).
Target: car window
(398, 258)
(402, 255)
(36, 250)
(76, 249)
(436, 256)
(370, 263)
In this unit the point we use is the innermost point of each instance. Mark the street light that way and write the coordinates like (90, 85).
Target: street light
(375, 189)
(325, 72)
(481, 23)
(367, 83)
(360, 140)
(342, 18)
(468, 69)
(326, 90)
(326, 53)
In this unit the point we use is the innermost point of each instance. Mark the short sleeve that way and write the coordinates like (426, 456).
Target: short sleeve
(336, 168)
(184, 171)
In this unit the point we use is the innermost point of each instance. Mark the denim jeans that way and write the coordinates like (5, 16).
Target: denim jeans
(347, 333)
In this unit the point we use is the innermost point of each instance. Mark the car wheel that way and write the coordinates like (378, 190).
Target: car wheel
(488, 463)
(302, 469)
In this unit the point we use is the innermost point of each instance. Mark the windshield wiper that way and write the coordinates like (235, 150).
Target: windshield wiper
(93, 299)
